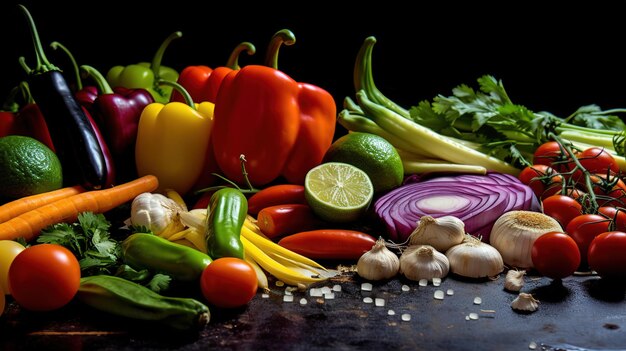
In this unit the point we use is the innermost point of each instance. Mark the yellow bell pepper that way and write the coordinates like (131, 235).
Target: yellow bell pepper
(172, 141)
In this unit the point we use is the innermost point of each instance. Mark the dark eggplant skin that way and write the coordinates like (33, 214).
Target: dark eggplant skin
(74, 137)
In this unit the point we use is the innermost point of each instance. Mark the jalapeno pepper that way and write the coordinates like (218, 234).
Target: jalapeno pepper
(227, 212)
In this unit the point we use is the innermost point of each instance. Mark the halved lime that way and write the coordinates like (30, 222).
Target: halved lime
(338, 192)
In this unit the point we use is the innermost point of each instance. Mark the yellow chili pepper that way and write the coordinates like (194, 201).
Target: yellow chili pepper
(172, 141)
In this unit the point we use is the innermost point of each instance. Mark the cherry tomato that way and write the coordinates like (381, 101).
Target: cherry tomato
(228, 282)
(8, 250)
(617, 216)
(555, 255)
(583, 229)
(542, 179)
(562, 208)
(598, 160)
(606, 254)
(610, 191)
(552, 154)
(44, 277)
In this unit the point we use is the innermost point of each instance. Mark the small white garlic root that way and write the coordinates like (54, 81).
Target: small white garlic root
(440, 233)
(525, 302)
(378, 263)
(423, 262)
(514, 280)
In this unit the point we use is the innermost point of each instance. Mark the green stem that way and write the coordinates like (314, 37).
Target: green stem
(242, 158)
(10, 105)
(283, 36)
(56, 45)
(26, 94)
(101, 82)
(43, 65)
(568, 126)
(155, 66)
(22, 62)
(233, 60)
(181, 90)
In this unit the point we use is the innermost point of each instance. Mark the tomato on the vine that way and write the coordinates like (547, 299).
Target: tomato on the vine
(44, 277)
(598, 160)
(543, 180)
(555, 255)
(562, 208)
(584, 228)
(552, 154)
(606, 254)
(618, 216)
(229, 282)
(610, 190)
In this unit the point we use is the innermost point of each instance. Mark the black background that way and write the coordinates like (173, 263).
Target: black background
(554, 58)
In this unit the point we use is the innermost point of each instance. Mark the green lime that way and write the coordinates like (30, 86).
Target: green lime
(338, 192)
(371, 153)
(27, 167)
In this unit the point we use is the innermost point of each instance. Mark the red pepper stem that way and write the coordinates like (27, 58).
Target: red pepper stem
(56, 45)
(283, 36)
(233, 60)
(26, 94)
(180, 89)
(155, 66)
(101, 82)
(10, 105)
(43, 65)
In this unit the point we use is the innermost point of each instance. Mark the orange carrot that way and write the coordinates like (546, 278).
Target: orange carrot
(29, 224)
(25, 204)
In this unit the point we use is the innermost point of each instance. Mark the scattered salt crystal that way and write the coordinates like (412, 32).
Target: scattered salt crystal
(478, 300)
(366, 287)
(379, 302)
(405, 287)
(288, 298)
(329, 296)
(423, 282)
(288, 292)
(265, 295)
(391, 312)
(532, 345)
(368, 300)
(438, 294)
(450, 292)
(279, 283)
(473, 316)
(326, 290)
(467, 318)
(406, 317)
(315, 292)
(336, 287)
(436, 281)
(303, 301)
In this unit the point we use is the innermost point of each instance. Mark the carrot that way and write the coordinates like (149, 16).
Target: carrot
(25, 204)
(29, 224)
(276, 195)
(330, 244)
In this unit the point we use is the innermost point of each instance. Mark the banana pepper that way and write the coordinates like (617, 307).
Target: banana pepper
(172, 141)
(283, 127)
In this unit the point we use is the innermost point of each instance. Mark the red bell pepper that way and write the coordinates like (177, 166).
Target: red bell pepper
(117, 113)
(281, 126)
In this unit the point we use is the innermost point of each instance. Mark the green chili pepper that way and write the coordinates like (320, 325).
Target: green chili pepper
(148, 251)
(128, 299)
(227, 212)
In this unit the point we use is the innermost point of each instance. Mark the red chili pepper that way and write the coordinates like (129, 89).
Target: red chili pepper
(281, 220)
(280, 194)
(331, 244)
(281, 126)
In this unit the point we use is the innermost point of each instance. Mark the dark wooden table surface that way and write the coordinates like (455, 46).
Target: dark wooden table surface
(582, 313)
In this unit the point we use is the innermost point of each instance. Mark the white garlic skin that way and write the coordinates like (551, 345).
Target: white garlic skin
(475, 259)
(423, 262)
(378, 263)
(514, 280)
(157, 212)
(441, 233)
(525, 302)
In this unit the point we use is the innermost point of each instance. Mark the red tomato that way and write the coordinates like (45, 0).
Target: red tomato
(228, 282)
(617, 216)
(542, 179)
(552, 154)
(610, 191)
(44, 277)
(598, 160)
(606, 255)
(583, 229)
(555, 255)
(562, 208)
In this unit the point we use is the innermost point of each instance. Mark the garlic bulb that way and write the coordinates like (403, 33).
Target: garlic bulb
(474, 259)
(525, 302)
(514, 280)
(158, 213)
(441, 233)
(515, 232)
(378, 263)
(423, 262)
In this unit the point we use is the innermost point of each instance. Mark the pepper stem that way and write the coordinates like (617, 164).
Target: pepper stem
(233, 60)
(180, 89)
(56, 45)
(22, 62)
(43, 65)
(283, 36)
(10, 105)
(26, 94)
(155, 66)
(101, 82)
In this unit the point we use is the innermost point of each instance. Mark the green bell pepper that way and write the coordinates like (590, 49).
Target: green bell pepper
(145, 75)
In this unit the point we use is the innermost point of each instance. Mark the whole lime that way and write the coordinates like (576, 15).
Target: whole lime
(371, 153)
(27, 167)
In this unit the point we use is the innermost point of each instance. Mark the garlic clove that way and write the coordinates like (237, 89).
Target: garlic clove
(514, 280)
(378, 263)
(525, 302)
(423, 262)
(440, 233)
(475, 259)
